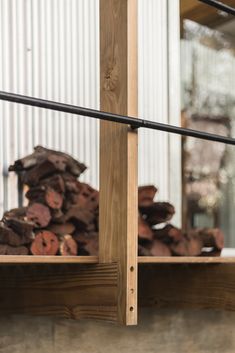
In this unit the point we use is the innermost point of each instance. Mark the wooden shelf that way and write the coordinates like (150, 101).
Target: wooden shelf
(107, 289)
(185, 260)
(9, 259)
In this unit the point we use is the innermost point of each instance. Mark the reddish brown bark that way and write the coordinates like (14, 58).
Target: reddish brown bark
(144, 230)
(89, 243)
(158, 212)
(146, 195)
(60, 160)
(169, 234)
(8, 236)
(159, 249)
(211, 237)
(39, 214)
(11, 250)
(62, 229)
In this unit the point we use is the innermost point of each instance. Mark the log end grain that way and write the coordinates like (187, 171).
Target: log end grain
(68, 246)
(45, 243)
(53, 199)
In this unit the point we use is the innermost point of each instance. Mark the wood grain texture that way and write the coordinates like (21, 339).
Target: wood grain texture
(118, 149)
(10, 259)
(90, 291)
(202, 13)
(185, 260)
(71, 291)
(192, 286)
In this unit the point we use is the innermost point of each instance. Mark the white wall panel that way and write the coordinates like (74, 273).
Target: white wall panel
(159, 97)
(50, 49)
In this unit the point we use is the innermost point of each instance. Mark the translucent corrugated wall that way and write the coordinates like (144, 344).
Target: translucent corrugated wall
(159, 98)
(50, 49)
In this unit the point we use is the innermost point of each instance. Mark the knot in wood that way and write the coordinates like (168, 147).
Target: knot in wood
(111, 78)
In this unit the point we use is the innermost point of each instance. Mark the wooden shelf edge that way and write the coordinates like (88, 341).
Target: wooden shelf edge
(18, 259)
(28, 259)
(184, 260)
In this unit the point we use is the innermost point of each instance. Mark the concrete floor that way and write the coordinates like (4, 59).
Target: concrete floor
(163, 331)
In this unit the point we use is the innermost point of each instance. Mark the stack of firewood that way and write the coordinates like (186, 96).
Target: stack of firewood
(62, 213)
(167, 240)
(61, 217)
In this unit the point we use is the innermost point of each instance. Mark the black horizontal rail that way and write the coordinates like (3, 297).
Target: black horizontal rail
(97, 114)
(220, 6)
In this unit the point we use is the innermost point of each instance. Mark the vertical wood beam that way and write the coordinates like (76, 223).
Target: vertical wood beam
(118, 149)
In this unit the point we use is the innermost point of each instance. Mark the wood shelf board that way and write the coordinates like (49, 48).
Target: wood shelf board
(71, 291)
(185, 260)
(18, 259)
(191, 286)
(203, 14)
(28, 259)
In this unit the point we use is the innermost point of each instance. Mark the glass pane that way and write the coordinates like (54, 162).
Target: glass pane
(208, 104)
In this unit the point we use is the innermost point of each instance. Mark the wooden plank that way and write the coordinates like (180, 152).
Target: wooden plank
(90, 291)
(10, 259)
(185, 260)
(118, 149)
(203, 14)
(187, 286)
(71, 291)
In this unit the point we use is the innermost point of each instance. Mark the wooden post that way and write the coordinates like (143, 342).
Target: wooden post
(118, 150)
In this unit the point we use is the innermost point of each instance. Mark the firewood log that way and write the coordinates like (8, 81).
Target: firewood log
(159, 249)
(11, 250)
(36, 194)
(87, 197)
(144, 230)
(211, 237)
(68, 246)
(146, 195)
(158, 212)
(91, 227)
(55, 182)
(169, 234)
(42, 170)
(57, 216)
(62, 229)
(22, 227)
(39, 214)
(79, 235)
(19, 213)
(65, 162)
(45, 243)
(53, 199)
(143, 251)
(9, 237)
(79, 216)
(180, 248)
(195, 246)
(89, 243)
(71, 183)
(45, 194)
(61, 161)
(29, 161)
(188, 246)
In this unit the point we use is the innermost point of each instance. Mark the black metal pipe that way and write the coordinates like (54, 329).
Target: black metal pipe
(92, 113)
(220, 6)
